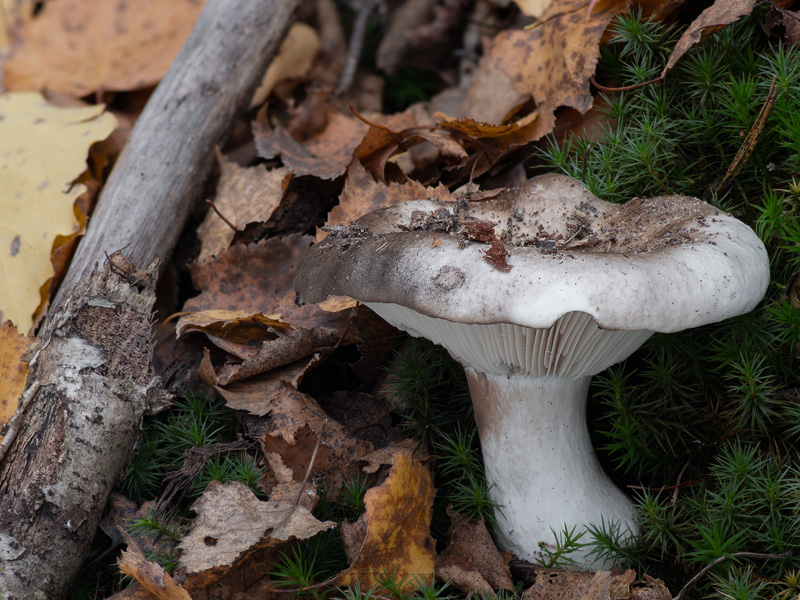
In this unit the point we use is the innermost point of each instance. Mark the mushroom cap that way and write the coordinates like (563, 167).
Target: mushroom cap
(659, 264)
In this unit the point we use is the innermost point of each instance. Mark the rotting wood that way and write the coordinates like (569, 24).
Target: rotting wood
(160, 175)
(92, 381)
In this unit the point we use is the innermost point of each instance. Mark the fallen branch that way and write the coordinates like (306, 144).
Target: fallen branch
(91, 382)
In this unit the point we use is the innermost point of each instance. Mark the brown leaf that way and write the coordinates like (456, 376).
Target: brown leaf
(556, 584)
(466, 581)
(362, 195)
(789, 20)
(554, 61)
(491, 96)
(498, 138)
(472, 551)
(299, 429)
(533, 8)
(284, 349)
(150, 575)
(601, 585)
(255, 393)
(321, 141)
(712, 19)
(394, 134)
(231, 521)
(244, 195)
(258, 278)
(398, 517)
(385, 456)
(650, 589)
(82, 46)
(14, 372)
(234, 327)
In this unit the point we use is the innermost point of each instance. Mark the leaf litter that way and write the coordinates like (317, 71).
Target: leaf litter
(313, 162)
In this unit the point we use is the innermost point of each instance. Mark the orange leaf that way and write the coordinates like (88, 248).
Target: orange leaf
(397, 519)
(14, 371)
(79, 47)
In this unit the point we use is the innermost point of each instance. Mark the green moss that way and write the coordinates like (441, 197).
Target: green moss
(705, 422)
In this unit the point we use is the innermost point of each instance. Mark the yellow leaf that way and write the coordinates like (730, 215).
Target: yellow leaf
(338, 303)
(293, 61)
(14, 371)
(398, 519)
(43, 149)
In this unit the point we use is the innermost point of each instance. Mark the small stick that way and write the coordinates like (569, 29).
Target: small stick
(356, 44)
(585, 158)
(690, 584)
(677, 483)
(751, 140)
(666, 487)
(572, 237)
(311, 462)
(635, 86)
(221, 216)
(363, 119)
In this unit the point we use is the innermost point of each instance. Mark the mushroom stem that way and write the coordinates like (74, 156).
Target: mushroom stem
(540, 462)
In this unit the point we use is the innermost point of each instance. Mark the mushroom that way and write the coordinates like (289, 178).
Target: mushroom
(535, 291)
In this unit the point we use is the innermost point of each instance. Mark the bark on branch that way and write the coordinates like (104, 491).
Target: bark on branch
(91, 381)
(91, 375)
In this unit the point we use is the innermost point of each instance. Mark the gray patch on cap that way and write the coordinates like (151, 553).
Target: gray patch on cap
(449, 278)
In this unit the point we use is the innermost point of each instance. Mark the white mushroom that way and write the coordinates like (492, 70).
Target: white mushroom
(534, 292)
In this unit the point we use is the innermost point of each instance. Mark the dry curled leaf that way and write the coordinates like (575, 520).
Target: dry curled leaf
(150, 575)
(237, 328)
(254, 394)
(712, 19)
(472, 556)
(394, 134)
(257, 278)
(320, 140)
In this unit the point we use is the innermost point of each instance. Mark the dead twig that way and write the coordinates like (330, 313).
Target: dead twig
(311, 462)
(749, 144)
(355, 46)
(193, 461)
(221, 216)
(690, 584)
(635, 86)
